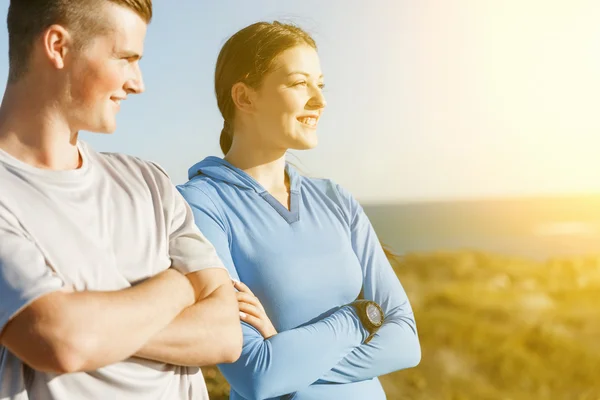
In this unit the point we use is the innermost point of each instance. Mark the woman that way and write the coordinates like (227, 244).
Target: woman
(302, 248)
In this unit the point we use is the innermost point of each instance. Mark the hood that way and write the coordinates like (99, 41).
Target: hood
(220, 170)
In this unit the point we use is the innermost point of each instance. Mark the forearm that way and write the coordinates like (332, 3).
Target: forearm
(394, 347)
(292, 360)
(206, 333)
(87, 330)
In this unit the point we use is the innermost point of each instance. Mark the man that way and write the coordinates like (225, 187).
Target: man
(107, 288)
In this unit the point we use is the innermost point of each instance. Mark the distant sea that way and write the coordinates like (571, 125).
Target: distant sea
(538, 228)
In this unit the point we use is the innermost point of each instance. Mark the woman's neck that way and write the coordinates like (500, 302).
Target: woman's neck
(266, 166)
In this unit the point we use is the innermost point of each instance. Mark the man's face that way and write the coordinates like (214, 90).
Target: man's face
(105, 71)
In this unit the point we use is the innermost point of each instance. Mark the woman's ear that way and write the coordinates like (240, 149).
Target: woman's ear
(243, 97)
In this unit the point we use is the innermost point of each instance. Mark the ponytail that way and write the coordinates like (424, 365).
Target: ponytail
(226, 139)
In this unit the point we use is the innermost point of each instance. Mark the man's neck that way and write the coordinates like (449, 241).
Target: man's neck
(34, 132)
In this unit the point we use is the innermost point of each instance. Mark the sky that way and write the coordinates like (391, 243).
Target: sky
(428, 99)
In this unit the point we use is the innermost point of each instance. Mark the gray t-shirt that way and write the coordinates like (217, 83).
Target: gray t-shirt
(113, 222)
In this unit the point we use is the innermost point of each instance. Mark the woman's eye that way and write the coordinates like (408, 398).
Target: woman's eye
(301, 83)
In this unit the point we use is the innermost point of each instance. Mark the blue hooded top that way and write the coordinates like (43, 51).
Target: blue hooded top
(304, 264)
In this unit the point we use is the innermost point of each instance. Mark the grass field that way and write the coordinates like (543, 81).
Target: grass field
(496, 328)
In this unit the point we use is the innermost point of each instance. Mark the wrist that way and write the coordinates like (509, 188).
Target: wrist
(353, 313)
(370, 315)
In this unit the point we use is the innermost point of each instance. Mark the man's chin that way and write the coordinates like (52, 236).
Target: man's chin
(308, 147)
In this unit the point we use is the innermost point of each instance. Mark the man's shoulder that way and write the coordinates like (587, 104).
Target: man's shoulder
(132, 164)
(134, 172)
(122, 158)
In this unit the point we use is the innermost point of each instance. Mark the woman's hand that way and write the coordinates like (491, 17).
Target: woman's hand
(252, 311)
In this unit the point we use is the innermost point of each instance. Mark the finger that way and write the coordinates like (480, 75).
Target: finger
(241, 286)
(252, 320)
(251, 310)
(248, 298)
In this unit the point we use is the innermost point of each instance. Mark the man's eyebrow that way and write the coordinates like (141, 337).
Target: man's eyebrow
(302, 73)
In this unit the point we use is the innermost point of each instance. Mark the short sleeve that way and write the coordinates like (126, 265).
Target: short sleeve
(24, 273)
(210, 221)
(189, 250)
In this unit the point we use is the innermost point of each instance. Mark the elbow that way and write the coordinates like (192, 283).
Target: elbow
(231, 353)
(53, 361)
(76, 355)
(408, 345)
(67, 363)
(62, 356)
(231, 348)
(51, 341)
(224, 354)
(58, 348)
(413, 357)
(406, 348)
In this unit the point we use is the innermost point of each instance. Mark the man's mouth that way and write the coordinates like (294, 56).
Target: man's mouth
(116, 100)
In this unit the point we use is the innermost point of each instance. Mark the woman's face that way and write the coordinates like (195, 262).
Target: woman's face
(290, 101)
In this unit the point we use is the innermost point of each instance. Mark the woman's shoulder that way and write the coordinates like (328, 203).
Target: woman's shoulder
(200, 191)
(335, 194)
(331, 189)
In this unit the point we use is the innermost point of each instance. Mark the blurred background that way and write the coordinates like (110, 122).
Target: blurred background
(469, 131)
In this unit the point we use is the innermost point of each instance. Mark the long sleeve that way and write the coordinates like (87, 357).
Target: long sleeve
(396, 345)
(290, 360)
(294, 359)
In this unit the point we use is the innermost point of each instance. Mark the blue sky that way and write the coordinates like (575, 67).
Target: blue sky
(427, 99)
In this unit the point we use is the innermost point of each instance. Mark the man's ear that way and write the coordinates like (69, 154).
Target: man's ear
(57, 41)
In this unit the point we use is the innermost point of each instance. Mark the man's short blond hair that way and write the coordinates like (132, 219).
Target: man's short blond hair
(27, 19)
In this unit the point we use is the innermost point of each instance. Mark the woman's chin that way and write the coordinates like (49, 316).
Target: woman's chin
(306, 142)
